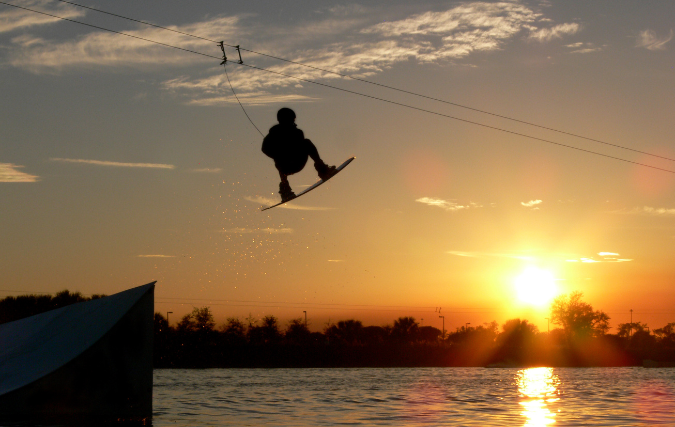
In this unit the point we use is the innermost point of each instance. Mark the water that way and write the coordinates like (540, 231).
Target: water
(415, 397)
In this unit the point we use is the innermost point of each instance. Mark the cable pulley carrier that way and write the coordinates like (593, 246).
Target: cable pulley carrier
(222, 47)
(241, 62)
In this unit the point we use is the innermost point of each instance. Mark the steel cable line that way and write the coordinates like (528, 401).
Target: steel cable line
(350, 91)
(240, 104)
(108, 30)
(457, 118)
(140, 22)
(377, 84)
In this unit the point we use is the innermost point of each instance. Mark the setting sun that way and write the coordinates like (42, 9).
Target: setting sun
(536, 286)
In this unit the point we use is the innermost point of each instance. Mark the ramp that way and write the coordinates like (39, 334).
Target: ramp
(88, 360)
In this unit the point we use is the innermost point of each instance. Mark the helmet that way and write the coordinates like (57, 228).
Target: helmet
(285, 115)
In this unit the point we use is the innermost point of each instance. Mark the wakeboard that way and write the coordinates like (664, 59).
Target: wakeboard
(317, 184)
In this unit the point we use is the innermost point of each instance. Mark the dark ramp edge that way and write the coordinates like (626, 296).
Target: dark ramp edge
(111, 379)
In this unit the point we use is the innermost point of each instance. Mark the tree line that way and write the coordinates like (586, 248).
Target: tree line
(580, 338)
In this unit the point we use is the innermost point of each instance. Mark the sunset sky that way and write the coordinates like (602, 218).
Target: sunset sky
(123, 162)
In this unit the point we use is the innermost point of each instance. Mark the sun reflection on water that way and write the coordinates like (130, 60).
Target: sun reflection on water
(537, 387)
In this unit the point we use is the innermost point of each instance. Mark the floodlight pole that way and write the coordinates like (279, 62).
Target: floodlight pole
(443, 317)
(305, 317)
(167, 317)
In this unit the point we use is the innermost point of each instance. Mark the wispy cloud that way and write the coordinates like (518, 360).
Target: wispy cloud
(156, 256)
(448, 205)
(649, 40)
(257, 230)
(647, 210)
(104, 49)
(269, 202)
(365, 46)
(474, 254)
(532, 204)
(336, 260)
(556, 32)
(584, 47)
(10, 172)
(12, 19)
(607, 257)
(253, 98)
(114, 164)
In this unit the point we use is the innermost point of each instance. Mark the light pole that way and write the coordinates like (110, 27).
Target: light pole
(305, 317)
(548, 330)
(466, 327)
(167, 317)
(630, 331)
(443, 317)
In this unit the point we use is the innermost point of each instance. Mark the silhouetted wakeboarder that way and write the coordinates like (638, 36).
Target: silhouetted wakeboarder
(290, 150)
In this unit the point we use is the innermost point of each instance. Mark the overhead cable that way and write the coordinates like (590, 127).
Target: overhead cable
(457, 118)
(501, 116)
(352, 92)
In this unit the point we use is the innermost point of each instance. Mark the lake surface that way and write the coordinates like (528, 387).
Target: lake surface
(415, 397)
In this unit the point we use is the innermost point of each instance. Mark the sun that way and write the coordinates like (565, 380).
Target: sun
(536, 287)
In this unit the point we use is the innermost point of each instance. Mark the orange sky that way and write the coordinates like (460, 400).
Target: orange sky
(134, 163)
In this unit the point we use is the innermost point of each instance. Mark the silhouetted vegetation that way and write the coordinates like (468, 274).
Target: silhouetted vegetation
(15, 308)
(580, 339)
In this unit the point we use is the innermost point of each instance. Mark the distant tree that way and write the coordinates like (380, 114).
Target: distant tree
(517, 341)
(487, 331)
(234, 331)
(15, 308)
(266, 333)
(161, 324)
(345, 331)
(373, 334)
(201, 319)
(626, 330)
(297, 331)
(577, 318)
(667, 333)
(517, 332)
(405, 329)
(429, 334)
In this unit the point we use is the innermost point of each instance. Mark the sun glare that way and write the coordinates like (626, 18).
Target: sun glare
(536, 286)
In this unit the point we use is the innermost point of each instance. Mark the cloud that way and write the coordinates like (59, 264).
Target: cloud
(353, 41)
(104, 50)
(557, 32)
(584, 47)
(205, 170)
(257, 231)
(647, 210)
(9, 173)
(336, 260)
(532, 203)
(489, 254)
(115, 164)
(269, 202)
(447, 205)
(12, 19)
(258, 98)
(649, 40)
(606, 257)
(156, 256)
